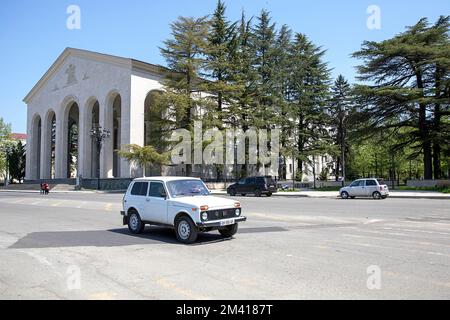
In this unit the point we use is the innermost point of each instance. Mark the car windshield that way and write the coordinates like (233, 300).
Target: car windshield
(186, 188)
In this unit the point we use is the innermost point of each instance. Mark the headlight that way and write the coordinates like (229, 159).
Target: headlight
(237, 212)
(204, 216)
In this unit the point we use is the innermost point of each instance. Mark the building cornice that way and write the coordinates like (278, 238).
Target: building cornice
(90, 55)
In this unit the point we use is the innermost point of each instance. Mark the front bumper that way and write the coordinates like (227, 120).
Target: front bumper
(216, 223)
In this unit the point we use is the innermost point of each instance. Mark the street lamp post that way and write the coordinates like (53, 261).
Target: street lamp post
(99, 135)
(234, 121)
(343, 114)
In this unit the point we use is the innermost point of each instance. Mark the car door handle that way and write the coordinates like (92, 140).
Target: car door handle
(148, 199)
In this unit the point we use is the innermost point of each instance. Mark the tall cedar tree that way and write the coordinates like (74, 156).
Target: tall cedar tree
(264, 64)
(281, 96)
(184, 54)
(309, 122)
(410, 75)
(340, 103)
(218, 63)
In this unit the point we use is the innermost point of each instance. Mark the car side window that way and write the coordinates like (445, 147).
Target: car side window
(242, 181)
(156, 190)
(139, 189)
(370, 183)
(358, 183)
(136, 190)
(250, 181)
(260, 180)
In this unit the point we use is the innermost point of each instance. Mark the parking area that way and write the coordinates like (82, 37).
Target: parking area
(73, 246)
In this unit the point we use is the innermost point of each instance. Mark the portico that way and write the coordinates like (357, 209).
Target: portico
(83, 90)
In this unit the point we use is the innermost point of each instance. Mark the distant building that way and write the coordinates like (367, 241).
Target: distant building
(19, 137)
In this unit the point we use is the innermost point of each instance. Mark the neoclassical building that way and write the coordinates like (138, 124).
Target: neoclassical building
(85, 90)
(80, 91)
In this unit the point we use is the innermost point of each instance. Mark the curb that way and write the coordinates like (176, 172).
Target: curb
(337, 197)
(279, 195)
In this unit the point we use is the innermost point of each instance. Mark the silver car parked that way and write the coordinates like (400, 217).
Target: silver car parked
(374, 188)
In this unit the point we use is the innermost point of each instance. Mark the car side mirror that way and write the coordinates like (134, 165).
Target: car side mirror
(163, 195)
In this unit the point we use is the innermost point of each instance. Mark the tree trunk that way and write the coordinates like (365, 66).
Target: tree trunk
(338, 167)
(424, 134)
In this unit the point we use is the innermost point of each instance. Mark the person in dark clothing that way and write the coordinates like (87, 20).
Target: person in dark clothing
(46, 188)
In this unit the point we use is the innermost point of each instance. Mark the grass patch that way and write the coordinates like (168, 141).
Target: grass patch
(328, 189)
(289, 190)
(436, 189)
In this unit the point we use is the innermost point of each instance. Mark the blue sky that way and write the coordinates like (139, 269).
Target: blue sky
(33, 32)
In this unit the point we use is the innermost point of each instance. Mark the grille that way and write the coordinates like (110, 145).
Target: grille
(221, 214)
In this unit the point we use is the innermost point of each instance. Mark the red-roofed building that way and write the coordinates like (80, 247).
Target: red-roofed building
(20, 137)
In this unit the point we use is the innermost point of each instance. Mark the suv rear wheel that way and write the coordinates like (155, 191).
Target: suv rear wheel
(186, 230)
(135, 224)
(229, 231)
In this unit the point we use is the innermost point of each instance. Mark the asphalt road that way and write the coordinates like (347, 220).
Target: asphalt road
(74, 247)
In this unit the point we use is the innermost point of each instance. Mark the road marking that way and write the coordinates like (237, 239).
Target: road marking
(57, 204)
(103, 296)
(108, 206)
(167, 284)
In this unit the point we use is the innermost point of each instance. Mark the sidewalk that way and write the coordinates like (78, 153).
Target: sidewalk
(397, 194)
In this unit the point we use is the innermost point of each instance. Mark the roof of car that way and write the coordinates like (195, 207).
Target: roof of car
(165, 179)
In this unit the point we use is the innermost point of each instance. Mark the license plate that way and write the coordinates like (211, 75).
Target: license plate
(227, 222)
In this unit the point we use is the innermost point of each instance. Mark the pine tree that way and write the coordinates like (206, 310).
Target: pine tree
(404, 90)
(281, 97)
(340, 105)
(309, 84)
(219, 53)
(181, 101)
(264, 64)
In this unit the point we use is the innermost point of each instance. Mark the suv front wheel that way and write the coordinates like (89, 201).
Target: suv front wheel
(229, 231)
(186, 230)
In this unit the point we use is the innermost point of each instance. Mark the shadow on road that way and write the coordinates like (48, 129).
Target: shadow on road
(106, 238)
(120, 237)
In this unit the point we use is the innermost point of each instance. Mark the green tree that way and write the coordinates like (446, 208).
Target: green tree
(308, 91)
(143, 156)
(409, 75)
(184, 54)
(340, 106)
(16, 160)
(5, 145)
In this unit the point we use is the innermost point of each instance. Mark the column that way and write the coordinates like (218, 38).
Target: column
(106, 153)
(60, 149)
(84, 142)
(28, 148)
(46, 144)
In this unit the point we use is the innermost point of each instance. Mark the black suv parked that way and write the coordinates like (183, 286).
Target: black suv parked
(253, 185)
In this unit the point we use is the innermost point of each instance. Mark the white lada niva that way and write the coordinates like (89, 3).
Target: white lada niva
(181, 203)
